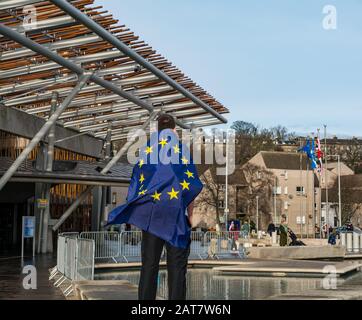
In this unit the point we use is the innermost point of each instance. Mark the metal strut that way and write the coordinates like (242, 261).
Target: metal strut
(44, 130)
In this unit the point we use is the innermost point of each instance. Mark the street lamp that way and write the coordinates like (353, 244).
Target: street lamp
(257, 213)
(339, 190)
(226, 210)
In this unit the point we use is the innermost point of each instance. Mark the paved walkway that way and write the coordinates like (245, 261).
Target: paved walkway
(11, 279)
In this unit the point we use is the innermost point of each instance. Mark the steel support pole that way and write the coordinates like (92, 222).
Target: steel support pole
(67, 63)
(48, 168)
(257, 213)
(109, 37)
(339, 193)
(110, 164)
(44, 130)
(275, 199)
(326, 180)
(51, 135)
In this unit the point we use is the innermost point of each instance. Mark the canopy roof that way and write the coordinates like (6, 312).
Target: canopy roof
(27, 78)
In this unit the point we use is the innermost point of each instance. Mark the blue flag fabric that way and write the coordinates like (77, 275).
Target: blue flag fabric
(309, 149)
(164, 182)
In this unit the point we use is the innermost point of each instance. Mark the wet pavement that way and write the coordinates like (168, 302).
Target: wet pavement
(11, 279)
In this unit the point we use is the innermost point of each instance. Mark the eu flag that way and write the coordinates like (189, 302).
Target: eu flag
(309, 149)
(164, 182)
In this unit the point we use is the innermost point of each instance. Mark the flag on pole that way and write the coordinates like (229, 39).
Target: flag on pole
(319, 154)
(164, 182)
(309, 150)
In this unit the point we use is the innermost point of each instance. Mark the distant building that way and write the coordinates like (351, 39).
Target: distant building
(294, 189)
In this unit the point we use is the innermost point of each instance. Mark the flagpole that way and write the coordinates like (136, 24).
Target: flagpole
(227, 182)
(306, 199)
(313, 194)
(320, 187)
(326, 178)
(301, 186)
(339, 192)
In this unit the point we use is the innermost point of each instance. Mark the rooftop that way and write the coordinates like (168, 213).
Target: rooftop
(28, 78)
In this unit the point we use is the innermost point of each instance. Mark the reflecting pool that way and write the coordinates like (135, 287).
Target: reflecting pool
(204, 284)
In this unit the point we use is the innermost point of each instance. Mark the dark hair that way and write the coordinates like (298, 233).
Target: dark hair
(166, 121)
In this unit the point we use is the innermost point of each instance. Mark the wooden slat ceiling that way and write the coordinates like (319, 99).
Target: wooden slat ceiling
(27, 79)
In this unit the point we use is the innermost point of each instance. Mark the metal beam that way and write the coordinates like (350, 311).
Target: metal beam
(110, 164)
(44, 130)
(13, 35)
(107, 36)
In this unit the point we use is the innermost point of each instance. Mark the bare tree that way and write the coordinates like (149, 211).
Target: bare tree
(261, 182)
(351, 196)
(214, 190)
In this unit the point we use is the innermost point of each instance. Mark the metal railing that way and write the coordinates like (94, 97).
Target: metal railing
(352, 241)
(221, 243)
(130, 244)
(107, 244)
(127, 245)
(75, 260)
(197, 246)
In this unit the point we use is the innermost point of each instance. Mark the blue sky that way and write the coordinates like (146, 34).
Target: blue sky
(269, 61)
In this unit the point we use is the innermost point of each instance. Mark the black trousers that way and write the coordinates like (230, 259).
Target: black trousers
(151, 250)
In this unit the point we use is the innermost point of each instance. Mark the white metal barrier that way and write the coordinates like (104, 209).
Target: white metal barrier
(197, 246)
(70, 258)
(349, 236)
(343, 237)
(223, 243)
(356, 242)
(107, 244)
(130, 244)
(127, 245)
(61, 255)
(75, 260)
(85, 259)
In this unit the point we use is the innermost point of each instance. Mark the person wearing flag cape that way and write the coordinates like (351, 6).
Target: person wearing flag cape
(160, 199)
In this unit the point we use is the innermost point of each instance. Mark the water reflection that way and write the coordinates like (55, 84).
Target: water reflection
(203, 284)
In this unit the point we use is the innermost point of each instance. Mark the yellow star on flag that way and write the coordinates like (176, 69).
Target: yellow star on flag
(142, 193)
(142, 178)
(163, 142)
(149, 150)
(189, 174)
(184, 160)
(185, 185)
(176, 149)
(173, 194)
(156, 196)
(141, 163)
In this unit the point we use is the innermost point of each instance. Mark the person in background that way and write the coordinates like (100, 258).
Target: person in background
(233, 236)
(283, 230)
(271, 228)
(317, 231)
(245, 229)
(324, 230)
(332, 239)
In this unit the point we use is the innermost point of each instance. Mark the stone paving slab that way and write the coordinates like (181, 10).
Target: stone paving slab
(106, 290)
(343, 293)
(289, 268)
